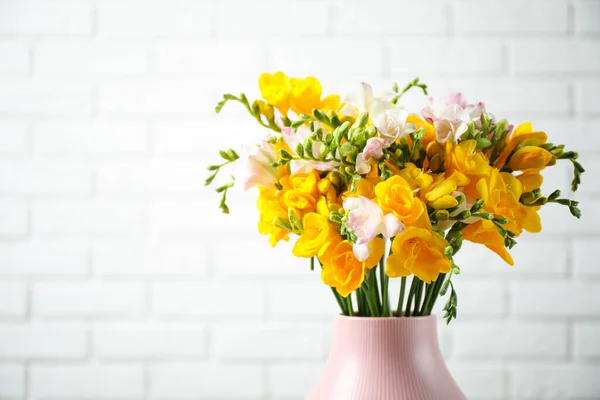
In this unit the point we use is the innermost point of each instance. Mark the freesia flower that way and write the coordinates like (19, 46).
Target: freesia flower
(451, 116)
(364, 100)
(317, 232)
(418, 251)
(293, 138)
(373, 151)
(396, 196)
(257, 169)
(367, 221)
(392, 125)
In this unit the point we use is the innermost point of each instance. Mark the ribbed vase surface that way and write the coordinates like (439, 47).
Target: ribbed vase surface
(385, 359)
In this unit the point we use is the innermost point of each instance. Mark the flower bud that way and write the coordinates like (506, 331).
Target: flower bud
(442, 215)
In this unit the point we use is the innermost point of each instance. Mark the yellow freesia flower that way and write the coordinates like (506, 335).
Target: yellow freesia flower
(531, 180)
(418, 251)
(300, 191)
(396, 196)
(523, 135)
(416, 177)
(439, 194)
(270, 210)
(316, 233)
(530, 158)
(276, 90)
(465, 165)
(343, 271)
(485, 232)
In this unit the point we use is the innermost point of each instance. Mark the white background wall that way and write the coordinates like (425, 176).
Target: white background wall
(119, 279)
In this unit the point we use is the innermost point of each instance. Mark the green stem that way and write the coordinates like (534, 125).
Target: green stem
(374, 290)
(385, 300)
(436, 293)
(418, 295)
(411, 293)
(363, 310)
(374, 312)
(349, 305)
(340, 302)
(428, 294)
(401, 297)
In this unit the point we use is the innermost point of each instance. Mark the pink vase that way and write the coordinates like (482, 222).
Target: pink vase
(385, 359)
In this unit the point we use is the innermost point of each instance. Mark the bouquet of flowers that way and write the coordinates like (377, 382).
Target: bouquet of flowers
(367, 185)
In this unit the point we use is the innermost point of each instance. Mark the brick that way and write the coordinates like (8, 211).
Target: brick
(88, 299)
(45, 98)
(12, 381)
(13, 299)
(479, 381)
(151, 177)
(556, 56)
(96, 217)
(447, 56)
(282, 19)
(389, 18)
(43, 178)
(566, 299)
(143, 260)
(15, 58)
(65, 58)
(272, 341)
(274, 261)
(87, 381)
(510, 17)
(155, 98)
(284, 57)
(586, 340)
(206, 381)
(589, 101)
(532, 258)
(185, 137)
(68, 258)
(511, 96)
(556, 382)
(511, 341)
(42, 341)
(136, 342)
(208, 299)
(14, 137)
(573, 133)
(13, 218)
(477, 298)
(224, 56)
(587, 17)
(292, 380)
(155, 20)
(302, 299)
(45, 19)
(193, 217)
(584, 258)
(558, 220)
(97, 137)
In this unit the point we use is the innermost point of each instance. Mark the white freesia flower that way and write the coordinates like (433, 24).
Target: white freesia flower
(367, 221)
(392, 125)
(364, 100)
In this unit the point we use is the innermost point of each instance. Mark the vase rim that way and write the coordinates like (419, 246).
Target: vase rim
(393, 318)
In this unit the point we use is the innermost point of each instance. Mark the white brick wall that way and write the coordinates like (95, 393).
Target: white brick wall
(120, 279)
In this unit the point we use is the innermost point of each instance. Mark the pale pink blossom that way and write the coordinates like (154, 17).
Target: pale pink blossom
(373, 151)
(367, 221)
(451, 116)
(292, 138)
(256, 169)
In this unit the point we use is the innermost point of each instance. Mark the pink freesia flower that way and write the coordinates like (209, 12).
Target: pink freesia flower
(451, 116)
(367, 220)
(292, 138)
(257, 169)
(373, 151)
